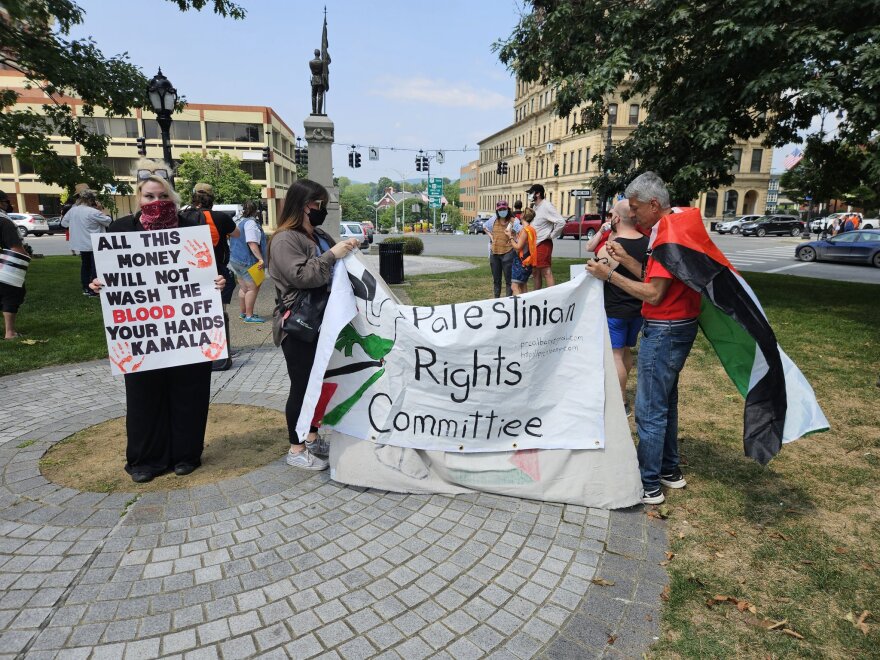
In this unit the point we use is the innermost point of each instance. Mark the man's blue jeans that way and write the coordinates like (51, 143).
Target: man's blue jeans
(662, 352)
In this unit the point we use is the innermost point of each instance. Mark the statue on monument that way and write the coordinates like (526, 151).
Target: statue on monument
(320, 68)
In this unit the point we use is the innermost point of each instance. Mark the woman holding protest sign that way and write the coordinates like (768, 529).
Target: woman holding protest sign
(167, 408)
(301, 258)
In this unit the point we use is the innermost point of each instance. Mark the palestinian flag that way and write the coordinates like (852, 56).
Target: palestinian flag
(780, 404)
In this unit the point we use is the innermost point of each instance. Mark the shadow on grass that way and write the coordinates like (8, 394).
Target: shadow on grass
(744, 488)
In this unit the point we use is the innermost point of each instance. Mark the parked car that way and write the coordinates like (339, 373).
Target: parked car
(476, 226)
(861, 246)
(820, 224)
(369, 229)
(354, 230)
(446, 228)
(733, 226)
(29, 223)
(587, 227)
(773, 224)
(870, 223)
(54, 224)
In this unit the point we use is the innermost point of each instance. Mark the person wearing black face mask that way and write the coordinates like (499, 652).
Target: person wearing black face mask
(301, 256)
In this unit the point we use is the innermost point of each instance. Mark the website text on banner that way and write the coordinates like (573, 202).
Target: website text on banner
(160, 305)
(517, 373)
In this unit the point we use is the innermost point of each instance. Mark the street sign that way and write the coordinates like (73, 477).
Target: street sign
(440, 157)
(444, 217)
(808, 198)
(582, 192)
(374, 153)
(435, 186)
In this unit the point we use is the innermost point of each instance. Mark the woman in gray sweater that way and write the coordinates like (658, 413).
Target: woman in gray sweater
(301, 255)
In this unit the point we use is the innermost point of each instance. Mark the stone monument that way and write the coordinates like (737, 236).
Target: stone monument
(320, 135)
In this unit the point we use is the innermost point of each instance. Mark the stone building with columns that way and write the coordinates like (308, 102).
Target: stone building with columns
(540, 147)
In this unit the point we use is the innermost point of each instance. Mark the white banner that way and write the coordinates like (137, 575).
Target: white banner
(160, 306)
(507, 374)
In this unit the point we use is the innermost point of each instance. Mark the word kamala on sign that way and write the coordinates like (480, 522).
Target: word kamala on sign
(522, 372)
(159, 302)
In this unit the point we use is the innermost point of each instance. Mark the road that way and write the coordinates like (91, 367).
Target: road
(763, 255)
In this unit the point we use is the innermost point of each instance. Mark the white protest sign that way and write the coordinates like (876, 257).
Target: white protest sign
(515, 373)
(160, 304)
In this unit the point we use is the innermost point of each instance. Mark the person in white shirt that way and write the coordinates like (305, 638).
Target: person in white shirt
(87, 217)
(547, 224)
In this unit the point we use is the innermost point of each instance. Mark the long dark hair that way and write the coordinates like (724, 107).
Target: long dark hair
(300, 194)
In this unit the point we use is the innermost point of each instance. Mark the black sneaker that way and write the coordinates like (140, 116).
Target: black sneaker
(653, 497)
(627, 410)
(673, 479)
(142, 477)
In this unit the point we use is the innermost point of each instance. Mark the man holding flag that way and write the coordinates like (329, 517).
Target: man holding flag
(688, 281)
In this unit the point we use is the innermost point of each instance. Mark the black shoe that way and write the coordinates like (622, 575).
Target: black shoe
(673, 479)
(221, 365)
(90, 294)
(182, 469)
(142, 477)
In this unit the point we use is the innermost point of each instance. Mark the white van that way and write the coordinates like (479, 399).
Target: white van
(232, 209)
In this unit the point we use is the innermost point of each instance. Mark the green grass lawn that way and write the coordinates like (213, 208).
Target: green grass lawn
(796, 543)
(66, 326)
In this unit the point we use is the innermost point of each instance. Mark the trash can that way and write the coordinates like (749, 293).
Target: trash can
(391, 262)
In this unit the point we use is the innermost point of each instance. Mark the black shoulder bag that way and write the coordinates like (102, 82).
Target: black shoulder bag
(302, 320)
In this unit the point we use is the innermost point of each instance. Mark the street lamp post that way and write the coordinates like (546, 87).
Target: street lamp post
(607, 153)
(402, 190)
(163, 98)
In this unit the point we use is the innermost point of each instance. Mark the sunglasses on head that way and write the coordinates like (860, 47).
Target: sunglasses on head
(143, 175)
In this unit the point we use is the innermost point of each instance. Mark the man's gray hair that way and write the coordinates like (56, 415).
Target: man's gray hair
(646, 187)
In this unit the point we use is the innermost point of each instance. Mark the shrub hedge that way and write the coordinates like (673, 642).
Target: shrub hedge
(411, 244)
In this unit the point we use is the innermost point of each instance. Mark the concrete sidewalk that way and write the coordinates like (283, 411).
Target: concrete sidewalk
(284, 563)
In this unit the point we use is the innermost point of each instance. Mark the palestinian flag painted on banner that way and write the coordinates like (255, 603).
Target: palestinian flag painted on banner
(780, 405)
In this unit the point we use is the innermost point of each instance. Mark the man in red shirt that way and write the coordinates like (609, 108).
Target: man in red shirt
(670, 309)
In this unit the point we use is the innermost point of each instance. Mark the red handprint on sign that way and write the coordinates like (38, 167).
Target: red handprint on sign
(218, 342)
(121, 356)
(201, 252)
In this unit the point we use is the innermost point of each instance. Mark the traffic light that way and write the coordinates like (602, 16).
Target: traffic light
(357, 158)
(498, 168)
(267, 155)
(351, 159)
(418, 163)
(142, 146)
(556, 170)
(425, 166)
(504, 167)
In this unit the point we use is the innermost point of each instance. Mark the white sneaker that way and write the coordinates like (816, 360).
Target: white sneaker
(319, 447)
(305, 460)
(654, 497)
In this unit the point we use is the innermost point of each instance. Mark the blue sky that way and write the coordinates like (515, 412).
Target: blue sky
(404, 74)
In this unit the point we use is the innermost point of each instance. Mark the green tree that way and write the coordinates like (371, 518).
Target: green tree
(827, 171)
(381, 184)
(34, 35)
(232, 185)
(355, 205)
(709, 73)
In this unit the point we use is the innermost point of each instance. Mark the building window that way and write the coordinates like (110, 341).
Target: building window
(96, 125)
(120, 166)
(186, 130)
(123, 128)
(5, 164)
(564, 163)
(737, 160)
(612, 114)
(634, 114)
(233, 132)
(731, 198)
(757, 156)
(711, 204)
(255, 169)
(587, 160)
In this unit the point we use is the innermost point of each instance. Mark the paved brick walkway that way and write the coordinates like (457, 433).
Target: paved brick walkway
(290, 564)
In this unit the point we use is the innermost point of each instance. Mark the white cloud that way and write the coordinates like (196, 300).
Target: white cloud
(439, 92)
